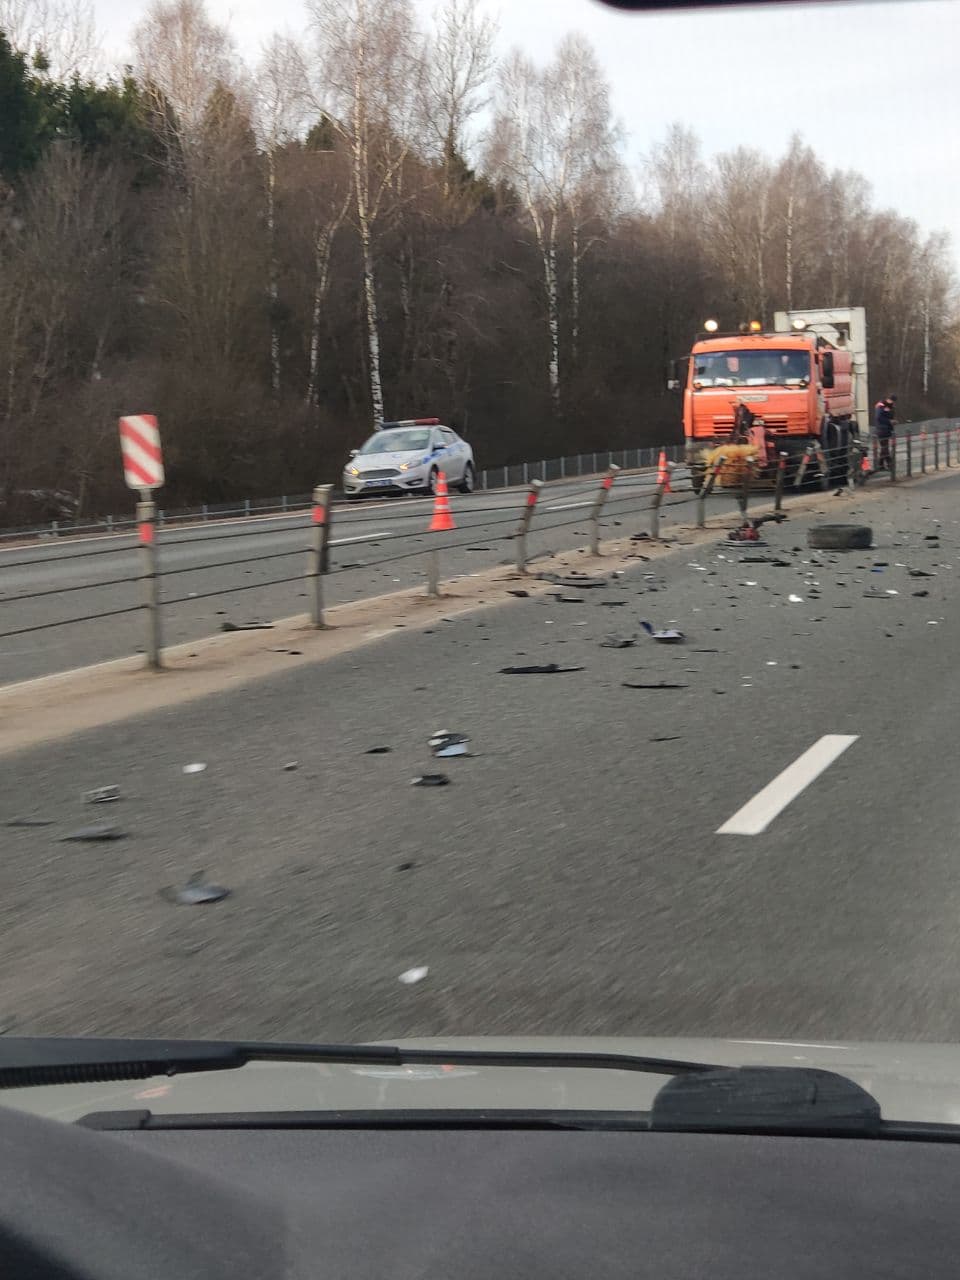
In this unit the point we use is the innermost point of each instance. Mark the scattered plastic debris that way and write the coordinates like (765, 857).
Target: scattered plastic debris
(196, 892)
(876, 595)
(669, 635)
(625, 684)
(640, 537)
(920, 594)
(411, 976)
(29, 822)
(578, 583)
(618, 642)
(290, 766)
(197, 767)
(920, 573)
(406, 866)
(549, 669)
(675, 737)
(246, 626)
(98, 831)
(794, 599)
(431, 780)
(517, 591)
(561, 599)
(377, 751)
(613, 604)
(101, 795)
(445, 744)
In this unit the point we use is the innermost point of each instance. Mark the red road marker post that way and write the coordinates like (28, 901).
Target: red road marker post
(143, 471)
(524, 528)
(319, 561)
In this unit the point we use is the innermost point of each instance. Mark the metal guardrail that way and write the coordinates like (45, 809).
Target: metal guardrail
(513, 475)
(621, 492)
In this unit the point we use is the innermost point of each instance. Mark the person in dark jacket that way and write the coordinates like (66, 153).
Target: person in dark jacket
(884, 423)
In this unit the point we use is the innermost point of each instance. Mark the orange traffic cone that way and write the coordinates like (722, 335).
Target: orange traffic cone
(442, 520)
(663, 473)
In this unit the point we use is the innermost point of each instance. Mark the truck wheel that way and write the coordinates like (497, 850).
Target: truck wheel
(840, 537)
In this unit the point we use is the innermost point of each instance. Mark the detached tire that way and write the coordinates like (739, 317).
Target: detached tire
(840, 537)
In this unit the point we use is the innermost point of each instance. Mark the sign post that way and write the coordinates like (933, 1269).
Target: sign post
(319, 552)
(143, 471)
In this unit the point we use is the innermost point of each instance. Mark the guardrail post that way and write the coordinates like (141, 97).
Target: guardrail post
(598, 505)
(894, 463)
(147, 537)
(909, 456)
(524, 527)
(923, 453)
(319, 560)
(657, 501)
(709, 480)
(936, 451)
(946, 446)
(781, 478)
(802, 469)
(824, 468)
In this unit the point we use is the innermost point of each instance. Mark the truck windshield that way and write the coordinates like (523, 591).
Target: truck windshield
(751, 368)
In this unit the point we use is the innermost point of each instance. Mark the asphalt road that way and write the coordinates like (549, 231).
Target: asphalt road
(571, 878)
(214, 573)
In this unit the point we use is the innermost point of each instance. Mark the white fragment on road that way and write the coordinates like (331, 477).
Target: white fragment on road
(345, 542)
(198, 767)
(410, 976)
(891, 592)
(757, 814)
(795, 599)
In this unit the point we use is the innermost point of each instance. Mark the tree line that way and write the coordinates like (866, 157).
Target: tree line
(379, 221)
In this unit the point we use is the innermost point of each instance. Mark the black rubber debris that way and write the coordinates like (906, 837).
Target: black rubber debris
(514, 591)
(920, 573)
(98, 831)
(567, 599)
(625, 684)
(549, 669)
(246, 626)
(479, 548)
(920, 594)
(577, 583)
(406, 866)
(676, 737)
(431, 780)
(618, 642)
(613, 604)
(196, 892)
(29, 822)
(377, 751)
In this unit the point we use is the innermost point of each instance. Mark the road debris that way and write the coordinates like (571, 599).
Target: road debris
(613, 604)
(674, 737)
(920, 573)
(919, 594)
(431, 780)
(377, 751)
(101, 795)
(246, 626)
(625, 684)
(549, 669)
(446, 744)
(517, 591)
(290, 766)
(618, 642)
(411, 976)
(29, 822)
(197, 767)
(669, 635)
(794, 599)
(98, 831)
(196, 892)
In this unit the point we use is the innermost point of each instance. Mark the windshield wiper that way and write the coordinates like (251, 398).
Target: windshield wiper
(30, 1061)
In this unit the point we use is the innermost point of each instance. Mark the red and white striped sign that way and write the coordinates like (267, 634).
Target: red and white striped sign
(142, 455)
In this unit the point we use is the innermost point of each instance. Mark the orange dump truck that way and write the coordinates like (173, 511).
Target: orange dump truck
(786, 392)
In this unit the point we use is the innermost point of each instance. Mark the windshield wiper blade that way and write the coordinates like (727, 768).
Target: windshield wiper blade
(39, 1060)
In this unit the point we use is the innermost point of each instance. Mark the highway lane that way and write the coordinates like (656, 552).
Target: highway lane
(571, 879)
(218, 572)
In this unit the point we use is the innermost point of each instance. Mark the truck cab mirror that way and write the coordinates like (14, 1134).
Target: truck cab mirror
(826, 370)
(673, 384)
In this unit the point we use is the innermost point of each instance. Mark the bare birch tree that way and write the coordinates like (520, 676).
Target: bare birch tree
(370, 78)
(280, 101)
(59, 36)
(461, 60)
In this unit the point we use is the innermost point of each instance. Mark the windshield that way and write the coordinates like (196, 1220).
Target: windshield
(396, 442)
(751, 368)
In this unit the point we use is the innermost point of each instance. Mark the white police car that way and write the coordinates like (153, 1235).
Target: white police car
(407, 457)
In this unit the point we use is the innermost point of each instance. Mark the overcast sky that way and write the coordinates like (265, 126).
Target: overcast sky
(871, 86)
